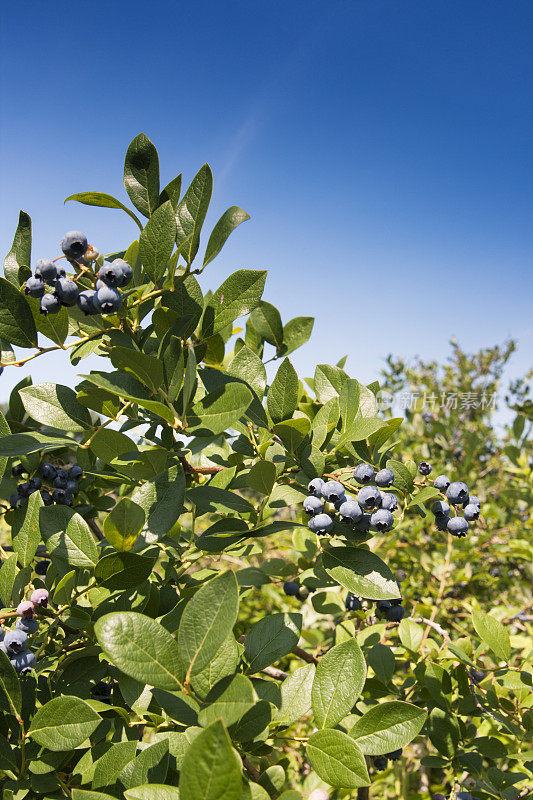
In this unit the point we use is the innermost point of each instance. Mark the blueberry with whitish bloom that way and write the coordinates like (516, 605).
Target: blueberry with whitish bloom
(441, 521)
(369, 497)
(50, 304)
(75, 472)
(457, 493)
(315, 487)
(471, 512)
(313, 505)
(291, 588)
(25, 609)
(333, 491)
(389, 501)
(86, 302)
(110, 274)
(384, 478)
(382, 520)
(46, 271)
(23, 662)
(424, 468)
(127, 272)
(473, 500)
(48, 471)
(364, 473)
(74, 245)
(441, 483)
(28, 626)
(34, 287)
(352, 603)
(350, 511)
(458, 526)
(439, 507)
(67, 291)
(40, 597)
(15, 641)
(107, 300)
(322, 523)
(72, 487)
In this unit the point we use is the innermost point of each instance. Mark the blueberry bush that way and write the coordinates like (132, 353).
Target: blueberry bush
(218, 585)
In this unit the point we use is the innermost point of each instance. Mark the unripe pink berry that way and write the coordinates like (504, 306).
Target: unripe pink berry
(25, 609)
(319, 794)
(40, 597)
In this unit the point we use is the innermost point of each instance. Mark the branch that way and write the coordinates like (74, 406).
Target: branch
(250, 769)
(274, 672)
(94, 526)
(198, 470)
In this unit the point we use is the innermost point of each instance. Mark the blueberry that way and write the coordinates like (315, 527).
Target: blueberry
(364, 473)
(101, 689)
(458, 526)
(72, 487)
(438, 796)
(380, 762)
(322, 523)
(384, 478)
(127, 272)
(67, 291)
(46, 270)
(382, 520)
(110, 274)
(23, 662)
(471, 512)
(333, 491)
(369, 497)
(25, 609)
(315, 487)
(363, 524)
(24, 489)
(14, 500)
(46, 498)
(441, 483)
(41, 567)
(86, 302)
(35, 484)
(18, 470)
(395, 755)
(59, 496)
(313, 505)
(457, 493)
(107, 299)
(383, 606)
(395, 614)
(441, 521)
(34, 287)
(440, 508)
(424, 468)
(474, 500)
(40, 597)
(29, 626)
(75, 472)
(350, 511)
(48, 471)
(60, 482)
(291, 588)
(50, 304)
(15, 641)
(477, 675)
(74, 245)
(352, 603)
(389, 501)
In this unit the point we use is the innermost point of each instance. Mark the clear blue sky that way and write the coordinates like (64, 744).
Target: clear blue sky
(382, 148)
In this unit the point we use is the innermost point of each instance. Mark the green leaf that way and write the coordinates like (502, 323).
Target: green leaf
(361, 572)
(63, 723)
(153, 791)
(123, 524)
(156, 242)
(186, 299)
(328, 382)
(228, 701)
(403, 479)
(141, 174)
(227, 223)
(147, 369)
(411, 634)
(10, 693)
(108, 444)
(55, 326)
(339, 680)
(212, 499)
(493, 633)
(388, 727)
(266, 321)
(207, 620)
(102, 200)
(211, 769)
(444, 732)
(68, 537)
(325, 421)
(8, 574)
(84, 794)
(4, 431)
(20, 444)
(191, 211)
(337, 759)
(296, 695)
(16, 320)
(140, 647)
(25, 533)
(223, 664)
(123, 570)
(428, 493)
(360, 429)
(238, 295)
(55, 405)
(270, 639)
(247, 366)
(20, 253)
(109, 766)
(150, 766)
(162, 500)
(292, 432)
(262, 477)
(296, 333)
(171, 192)
(218, 410)
(125, 386)
(282, 397)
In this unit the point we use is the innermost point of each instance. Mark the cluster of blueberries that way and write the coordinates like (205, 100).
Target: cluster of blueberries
(14, 641)
(104, 299)
(62, 485)
(371, 509)
(458, 495)
(380, 762)
(391, 610)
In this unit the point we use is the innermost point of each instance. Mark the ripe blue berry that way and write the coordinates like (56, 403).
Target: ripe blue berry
(46, 270)
(86, 302)
(322, 523)
(333, 491)
(313, 505)
(35, 484)
(441, 521)
(107, 299)
(50, 304)
(315, 487)
(74, 245)
(384, 478)
(72, 487)
(60, 481)
(395, 755)
(474, 500)
(350, 511)
(75, 472)
(424, 468)
(127, 272)
(363, 524)
(389, 501)
(14, 500)
(383, 605)
(67, 291)
(395, 614)
(471, 512)
(440, 508)
(441, 483)
(15, 641)
(48, 471)
(369, 497)
(382, 520)
(24, 489)
(380, 762)
(41, 567)
(34, 287)
(59, 496)
(18, 470)
(364, 473)
(23, 662)
(291, 588)
(28, 626)
(457, 493)
(352, 603)
(110, 274)
(458, 526)
(46, 497)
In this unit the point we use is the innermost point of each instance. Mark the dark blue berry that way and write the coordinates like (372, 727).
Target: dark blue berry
(458, 526)
(110, 274)
(424, 468)
(107, 299)
(441, 483)
(313, 505)
(127, 272)
(291, 588)
(74, 245)
(50, 304)
(86, 302)
(380, 762)
(46, 270)
(322, 523)
(333, 491)
(369, 497)
(350, 511)
(382, 520)
(67, 291)
(315, 487)
(34, 287)
(471, 512)
(395, 614)
(352, 603)
(364, 473)
(48, 471)
(457, 493)
(389, 501)
(41, 567)
(46, 497)
(440, 508)
(384, 478)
